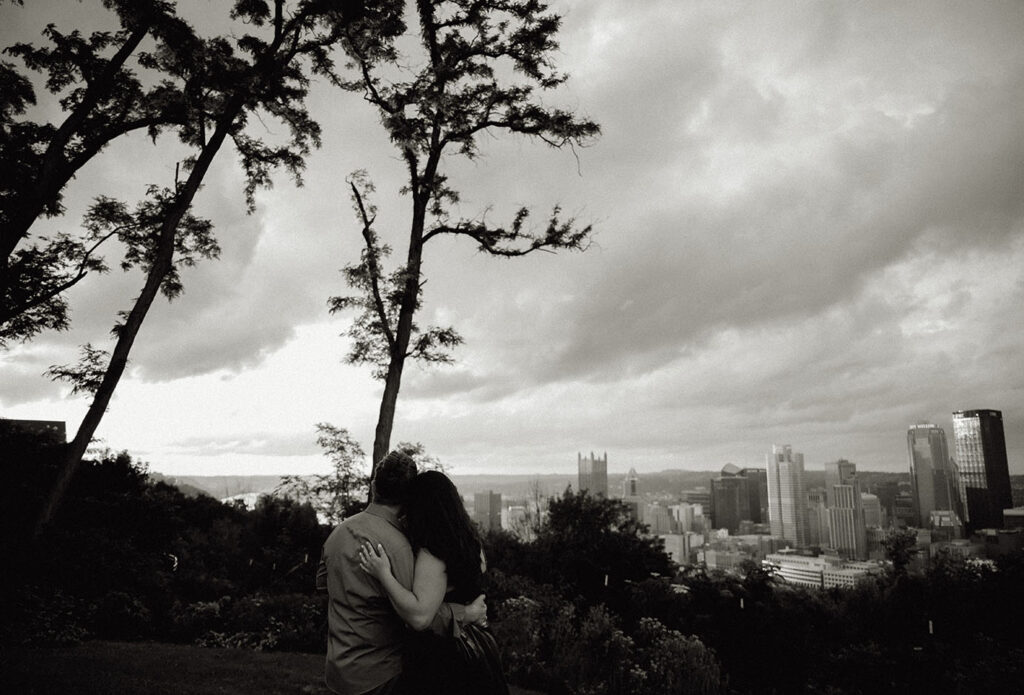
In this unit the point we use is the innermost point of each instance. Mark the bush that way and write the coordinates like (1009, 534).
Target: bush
(124, 617)
(36, 617)
(290, 622)
(546, 644)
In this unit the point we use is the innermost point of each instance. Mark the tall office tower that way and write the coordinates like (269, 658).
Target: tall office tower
(872, 510)
(684, 515)
(757, 487)
(593, 474)
(699, 495)
(887, 490)
(841, 472)
(931, 475)
(984, 471)
(659, 519)
(787, 498)
(487, 510)
(817, 518)
(631, 485)
(846, 530)
(730, 499)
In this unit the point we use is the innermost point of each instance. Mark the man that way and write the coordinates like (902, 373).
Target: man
(366, 637)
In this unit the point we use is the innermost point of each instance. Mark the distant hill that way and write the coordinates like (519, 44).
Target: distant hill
(187, 489)
(223, 486)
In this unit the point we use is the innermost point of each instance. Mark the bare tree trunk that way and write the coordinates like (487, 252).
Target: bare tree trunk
(403, 332)
(386, 415)
(162, 265)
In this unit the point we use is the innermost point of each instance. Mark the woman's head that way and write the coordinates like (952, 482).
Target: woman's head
(436, 519)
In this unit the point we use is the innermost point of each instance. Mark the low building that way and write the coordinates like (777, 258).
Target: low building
(1013, 518)
(822, 571)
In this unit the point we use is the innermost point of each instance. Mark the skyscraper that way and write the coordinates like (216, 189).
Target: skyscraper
(787, 498)
(984, 471)
(931, 473)
(593, 474)
(757, 487)
(872, 510)
(846, 530)
(817, 518)
(487, 510)
(631, 484)
(730, 499)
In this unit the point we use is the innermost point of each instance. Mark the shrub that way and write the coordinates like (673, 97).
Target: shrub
(42, 618)
(289, 622)
(549, 646)
(121, 616)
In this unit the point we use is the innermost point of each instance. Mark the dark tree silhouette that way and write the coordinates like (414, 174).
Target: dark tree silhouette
(95, 80)
(233, 79)
(462, 90)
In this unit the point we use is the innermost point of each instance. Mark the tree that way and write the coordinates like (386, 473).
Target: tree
(340, 493)
(459, 93)
(234, 79)
(102, 99)
(592, 545)
(900, 547)
(344, 491)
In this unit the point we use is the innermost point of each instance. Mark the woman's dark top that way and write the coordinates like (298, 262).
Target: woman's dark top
(465, 665)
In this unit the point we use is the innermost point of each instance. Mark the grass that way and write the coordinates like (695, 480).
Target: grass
(146, 668)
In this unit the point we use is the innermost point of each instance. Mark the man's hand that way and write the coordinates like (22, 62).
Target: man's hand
(476, 612)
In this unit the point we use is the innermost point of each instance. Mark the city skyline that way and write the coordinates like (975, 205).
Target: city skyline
(809, 229)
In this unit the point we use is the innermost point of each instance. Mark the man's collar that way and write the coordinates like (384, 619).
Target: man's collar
(385, 511)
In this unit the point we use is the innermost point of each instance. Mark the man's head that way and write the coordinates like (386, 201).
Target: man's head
(391, 477)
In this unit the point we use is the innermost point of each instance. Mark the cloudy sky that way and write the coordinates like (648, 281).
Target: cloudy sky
(809, 230)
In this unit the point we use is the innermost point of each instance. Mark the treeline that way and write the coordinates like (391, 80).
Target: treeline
(589, 605)
(130, 558)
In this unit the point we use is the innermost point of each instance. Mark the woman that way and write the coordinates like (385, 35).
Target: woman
(449, 568)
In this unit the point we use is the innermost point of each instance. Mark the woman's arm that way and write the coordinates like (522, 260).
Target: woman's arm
(430, 581)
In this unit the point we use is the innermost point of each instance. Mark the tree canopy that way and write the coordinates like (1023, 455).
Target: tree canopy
(209, 90)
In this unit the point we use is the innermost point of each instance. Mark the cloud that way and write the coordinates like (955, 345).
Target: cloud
(258, 444)
(808, 229)
(23, 380)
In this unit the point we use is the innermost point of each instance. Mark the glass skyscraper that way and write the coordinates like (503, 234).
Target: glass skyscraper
(932, 475)
(787, 496)
(984, 470)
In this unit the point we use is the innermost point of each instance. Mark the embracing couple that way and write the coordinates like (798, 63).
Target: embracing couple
(411, 559)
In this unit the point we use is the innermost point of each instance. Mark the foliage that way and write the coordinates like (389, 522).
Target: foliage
(214, 87)
(126, 558)
(550, 646)
(340, 493)
(441, 100)
(344, 491)
(95, 81)
(282, 622)
(900, 546)
(593, 546)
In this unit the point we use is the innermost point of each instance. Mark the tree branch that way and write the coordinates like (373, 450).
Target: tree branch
(374, 266)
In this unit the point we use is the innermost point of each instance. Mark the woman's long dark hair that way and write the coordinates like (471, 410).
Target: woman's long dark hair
(436, 519)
